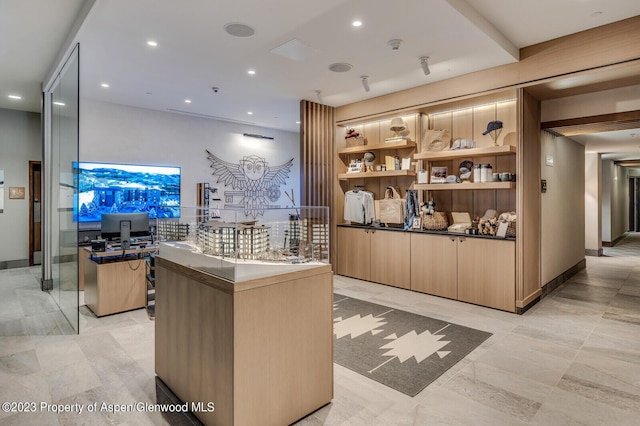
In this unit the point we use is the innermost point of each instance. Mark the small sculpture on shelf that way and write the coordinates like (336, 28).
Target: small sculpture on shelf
(465, 170)
(429, 208)
(399, 129)
(369, 160)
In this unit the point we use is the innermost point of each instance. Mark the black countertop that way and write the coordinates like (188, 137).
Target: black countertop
(421, 231)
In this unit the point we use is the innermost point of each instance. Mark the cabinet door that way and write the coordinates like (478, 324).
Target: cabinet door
(391, 258)
(434, 263)
(354, 253)
(486, 272)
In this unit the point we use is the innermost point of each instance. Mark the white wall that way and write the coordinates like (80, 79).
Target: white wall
(619, 203)
(607, 181)
(593, 202)
(562, 206)
(20, 142)
(122, 134)
(615, 201)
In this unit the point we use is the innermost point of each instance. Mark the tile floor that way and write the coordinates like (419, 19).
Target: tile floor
(574, 358)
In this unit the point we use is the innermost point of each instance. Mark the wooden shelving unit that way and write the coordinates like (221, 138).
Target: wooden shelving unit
(377, 147)
(463, 186)
(466, 153)
(365, 175)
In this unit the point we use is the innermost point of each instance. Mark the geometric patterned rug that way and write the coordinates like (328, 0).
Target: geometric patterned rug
(399, 349)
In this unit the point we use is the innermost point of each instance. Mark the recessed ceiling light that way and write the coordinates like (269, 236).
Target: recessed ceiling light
(596, 14)
(297, 122)
(250, 113)
(105, 85)
(340, 67)
(187, 101)
(251, 72)
(152, 43)
(357, 23)
(237, 29)
(16, 97)
(58, 103)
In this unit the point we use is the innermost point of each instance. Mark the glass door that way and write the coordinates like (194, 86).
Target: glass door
(62, 154)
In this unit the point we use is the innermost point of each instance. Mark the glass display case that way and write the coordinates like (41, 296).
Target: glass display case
(235, 246)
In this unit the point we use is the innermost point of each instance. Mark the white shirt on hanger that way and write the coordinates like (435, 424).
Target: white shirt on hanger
(359, 206)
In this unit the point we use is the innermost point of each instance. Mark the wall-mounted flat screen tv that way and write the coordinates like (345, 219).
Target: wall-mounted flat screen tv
(126, 188)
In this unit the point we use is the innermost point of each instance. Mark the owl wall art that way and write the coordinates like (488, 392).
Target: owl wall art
(256, 185)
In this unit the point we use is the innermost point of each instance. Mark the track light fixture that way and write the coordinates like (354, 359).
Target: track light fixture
(424, 63)
(365, 83)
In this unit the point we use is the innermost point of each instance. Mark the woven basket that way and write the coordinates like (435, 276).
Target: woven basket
(357, 141)
(435, 222)
(511, 229)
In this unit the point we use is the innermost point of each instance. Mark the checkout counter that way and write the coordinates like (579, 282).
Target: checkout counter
(114, 280)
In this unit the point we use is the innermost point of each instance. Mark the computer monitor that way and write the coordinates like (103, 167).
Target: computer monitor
(123, 226)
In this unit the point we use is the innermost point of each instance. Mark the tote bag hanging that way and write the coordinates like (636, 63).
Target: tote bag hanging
(392, 207)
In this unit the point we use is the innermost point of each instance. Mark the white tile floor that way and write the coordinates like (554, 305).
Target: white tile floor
(574, 358)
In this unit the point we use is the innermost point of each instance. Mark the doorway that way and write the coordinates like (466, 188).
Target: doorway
(634, 204)
(35, 213)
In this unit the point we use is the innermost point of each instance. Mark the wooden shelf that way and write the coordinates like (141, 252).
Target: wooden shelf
(463, 186)
(466, 153)
(365, 175)
(378, 147)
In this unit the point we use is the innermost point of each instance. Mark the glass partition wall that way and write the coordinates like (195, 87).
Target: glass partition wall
(60, 235)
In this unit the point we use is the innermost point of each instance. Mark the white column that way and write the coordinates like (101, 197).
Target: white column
(592, 204)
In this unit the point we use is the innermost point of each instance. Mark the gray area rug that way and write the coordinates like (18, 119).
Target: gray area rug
(399, 349)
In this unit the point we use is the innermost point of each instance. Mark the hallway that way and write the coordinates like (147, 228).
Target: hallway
(574, 358)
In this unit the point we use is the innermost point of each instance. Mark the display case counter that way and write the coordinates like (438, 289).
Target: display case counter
(236, 245)
(260, 349)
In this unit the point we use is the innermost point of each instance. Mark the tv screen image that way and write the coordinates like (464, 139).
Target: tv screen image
(126, 188)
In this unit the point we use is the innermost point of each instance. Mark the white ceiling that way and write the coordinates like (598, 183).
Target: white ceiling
(194, 53)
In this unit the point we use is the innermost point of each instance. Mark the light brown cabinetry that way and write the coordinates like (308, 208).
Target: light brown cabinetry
(486, 272)
(434, 263)
(114, 281)
(355, 253)
(474, 270)
(515, 149)
(375, 255)
(391, 258)
(113, 287)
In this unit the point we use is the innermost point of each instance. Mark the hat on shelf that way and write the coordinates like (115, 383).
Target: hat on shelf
(493, 125)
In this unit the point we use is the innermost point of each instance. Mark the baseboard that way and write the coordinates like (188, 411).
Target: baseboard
(593, 252)
(523, 306)
(10, 264)
(164, 395)
(563, 277)
(614, 242)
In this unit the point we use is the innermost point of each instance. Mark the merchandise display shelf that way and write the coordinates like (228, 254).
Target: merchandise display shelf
(387, 173)
(377, 147)
(463, 186)
(466, 153)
